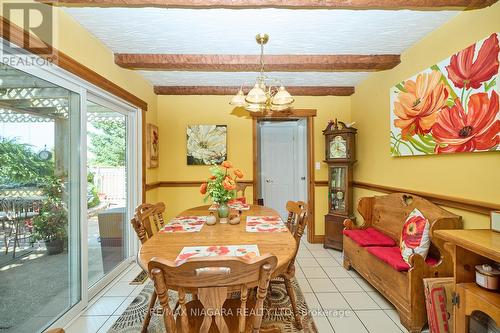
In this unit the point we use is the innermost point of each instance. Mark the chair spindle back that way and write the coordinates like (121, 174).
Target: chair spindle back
(211, 278)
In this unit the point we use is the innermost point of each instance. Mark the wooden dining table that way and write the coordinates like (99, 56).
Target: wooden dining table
(169, 245)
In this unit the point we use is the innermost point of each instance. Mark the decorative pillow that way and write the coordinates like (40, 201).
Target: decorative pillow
(415, 236)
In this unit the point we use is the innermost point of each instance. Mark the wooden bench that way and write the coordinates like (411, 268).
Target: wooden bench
(402, 286)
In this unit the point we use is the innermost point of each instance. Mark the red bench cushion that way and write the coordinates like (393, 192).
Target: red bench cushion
(369, 237)
(392, 256)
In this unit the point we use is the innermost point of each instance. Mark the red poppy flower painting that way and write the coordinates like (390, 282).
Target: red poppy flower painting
(452, 107)
(478, 129)
(466, 72)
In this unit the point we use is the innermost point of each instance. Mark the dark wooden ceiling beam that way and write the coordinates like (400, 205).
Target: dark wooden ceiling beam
(224, 90)
(250, 63)
(308, 4)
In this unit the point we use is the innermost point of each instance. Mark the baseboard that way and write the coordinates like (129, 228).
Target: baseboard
(318, 239)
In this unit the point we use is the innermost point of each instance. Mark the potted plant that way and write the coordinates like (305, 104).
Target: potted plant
(50, 225)
(221, 187)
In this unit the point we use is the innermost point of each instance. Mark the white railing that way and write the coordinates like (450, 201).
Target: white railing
(112, 182)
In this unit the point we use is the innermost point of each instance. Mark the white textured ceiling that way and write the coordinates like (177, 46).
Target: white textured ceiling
(229, 31)
(175, 78)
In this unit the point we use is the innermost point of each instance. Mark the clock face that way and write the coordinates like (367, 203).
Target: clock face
(44, 155)
(338, 147)
(340, 195)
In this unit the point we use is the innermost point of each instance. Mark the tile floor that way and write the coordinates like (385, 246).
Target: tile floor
(341, 301)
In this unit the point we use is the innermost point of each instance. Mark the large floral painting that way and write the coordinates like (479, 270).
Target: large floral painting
(206, 144)
(451, 107)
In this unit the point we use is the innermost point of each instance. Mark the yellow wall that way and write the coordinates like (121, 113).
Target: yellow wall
(470, 176)
(473, 176)
(176, 112)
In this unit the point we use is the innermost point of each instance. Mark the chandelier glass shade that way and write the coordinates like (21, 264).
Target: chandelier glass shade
(262, 97)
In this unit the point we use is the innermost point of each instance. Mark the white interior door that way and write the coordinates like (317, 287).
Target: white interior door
(282, 169)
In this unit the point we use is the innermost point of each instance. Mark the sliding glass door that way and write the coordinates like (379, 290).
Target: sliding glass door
(69, 181)
(107, 198)
(40, 271)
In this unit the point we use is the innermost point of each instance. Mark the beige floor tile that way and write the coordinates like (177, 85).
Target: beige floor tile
(323, 325)
(304, 285)
(349, 323)
(104, 306)
(307, 262)
(377, 321)
(121, 289)
(335, 254)
(346, 285)
(364, 284)
(381, 300)
(312, 302)
(322, 285)
(327, 262)
(360, 301)
(394, 315)
(320, 254)
(336, 272)
(314, 272)
(304, 253)
(131, 273)
(332, 301)
(138, 290)
(87, 324)
(125, 304)
(108, 324)
(298, 272)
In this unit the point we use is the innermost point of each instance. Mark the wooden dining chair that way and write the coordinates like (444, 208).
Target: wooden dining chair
(212, 279)
(240, 191)
(148, 217)
(139, 229)
(294, 210)
(298, 212)
(151, 216)
(142, 233)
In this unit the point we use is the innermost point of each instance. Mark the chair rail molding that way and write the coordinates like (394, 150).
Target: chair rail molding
(469, 205)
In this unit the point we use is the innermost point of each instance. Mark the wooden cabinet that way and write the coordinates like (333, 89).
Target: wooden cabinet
(468, 249)
(340, 157)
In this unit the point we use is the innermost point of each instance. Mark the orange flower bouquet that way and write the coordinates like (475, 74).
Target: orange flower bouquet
(221, 186)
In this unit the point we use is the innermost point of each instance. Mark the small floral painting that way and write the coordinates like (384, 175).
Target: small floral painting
(451, 107)
(206, 144)
(152, 146)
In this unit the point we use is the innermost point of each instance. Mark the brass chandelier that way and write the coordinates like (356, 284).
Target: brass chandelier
(263, 97)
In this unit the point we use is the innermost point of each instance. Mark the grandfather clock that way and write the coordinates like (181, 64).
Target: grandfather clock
(340, 157)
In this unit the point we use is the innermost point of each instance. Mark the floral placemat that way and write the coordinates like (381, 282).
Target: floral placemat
(265, 224)
(185, 224)
(246, 251)
(233, 205)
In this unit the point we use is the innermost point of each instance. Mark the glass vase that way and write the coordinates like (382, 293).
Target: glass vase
(223, 212)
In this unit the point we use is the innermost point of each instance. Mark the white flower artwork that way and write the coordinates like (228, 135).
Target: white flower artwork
(206, 144)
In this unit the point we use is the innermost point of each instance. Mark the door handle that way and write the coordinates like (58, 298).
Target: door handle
(269, 181)
(302, 178)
